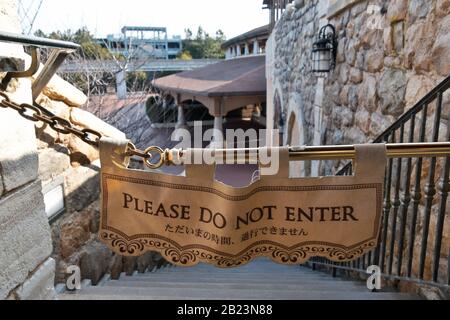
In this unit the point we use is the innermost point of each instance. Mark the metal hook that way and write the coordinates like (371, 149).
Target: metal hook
(55, 60)
(34, 67)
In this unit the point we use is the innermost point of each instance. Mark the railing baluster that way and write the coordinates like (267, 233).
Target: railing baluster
(443, 191)
(401, 205)
(386, 208)
(405, 201)
(395, 205)
(417, 196)
(448, 267)
(430, 192)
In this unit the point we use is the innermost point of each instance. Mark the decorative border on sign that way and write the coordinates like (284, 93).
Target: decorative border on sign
(194, 254)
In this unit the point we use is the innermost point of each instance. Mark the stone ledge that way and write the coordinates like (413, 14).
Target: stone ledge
(18, 148)
(40, 286)
(18, 157)
(25, 236)
(337, 6)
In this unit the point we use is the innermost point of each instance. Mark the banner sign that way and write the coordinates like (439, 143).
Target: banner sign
(193, 218)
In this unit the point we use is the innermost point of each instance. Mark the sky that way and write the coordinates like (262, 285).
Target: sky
(103, 17)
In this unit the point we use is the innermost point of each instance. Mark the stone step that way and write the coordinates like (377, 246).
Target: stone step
(233, 274)
(342, 286)
(251, 266)
(228, 279)
(125, 293)
(239, 271)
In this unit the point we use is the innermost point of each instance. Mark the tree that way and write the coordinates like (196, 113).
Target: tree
(220, 36)
(90, 49)
(188, 34)
(200, 34)
(203, 46)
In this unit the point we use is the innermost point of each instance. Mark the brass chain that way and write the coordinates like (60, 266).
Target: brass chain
(88, 136)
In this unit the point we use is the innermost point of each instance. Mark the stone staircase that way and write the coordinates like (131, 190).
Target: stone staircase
(259, 280)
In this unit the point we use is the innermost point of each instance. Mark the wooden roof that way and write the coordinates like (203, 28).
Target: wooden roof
(243, 76)
(261, 32)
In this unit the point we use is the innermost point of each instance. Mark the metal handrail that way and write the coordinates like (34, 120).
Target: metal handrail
(306, 153)
(61, 49)
(409, 199)
(36, 41)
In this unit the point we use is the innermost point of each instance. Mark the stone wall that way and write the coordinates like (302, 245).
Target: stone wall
(390, 54)
(26, 268)
(34, 160)
(66, 160)
(386, 62)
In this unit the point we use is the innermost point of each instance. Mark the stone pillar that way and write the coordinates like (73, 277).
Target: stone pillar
(238, 50)
(229, 54)
(181, 123)
(247, 50)
(26, 269)
(218, 142)
(121, 84)
(255, 47)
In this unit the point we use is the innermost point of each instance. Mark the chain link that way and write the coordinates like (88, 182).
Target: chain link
(89, 136)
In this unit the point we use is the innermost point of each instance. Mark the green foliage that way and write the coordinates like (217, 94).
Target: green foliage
(185, 55)
(90, 49)
(138, 80)
(203, 46)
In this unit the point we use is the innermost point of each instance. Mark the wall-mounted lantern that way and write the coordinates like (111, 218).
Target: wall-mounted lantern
(325, 50)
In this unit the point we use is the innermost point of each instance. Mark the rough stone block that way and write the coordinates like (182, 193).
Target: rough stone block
(442, 8)
(57, 107)
(379, 123)
(418, 9)
(397, 10)
(82, 187)
(95, 261)
(129, 265)
(115, 266)
(40, 286)
(441, 54)
(86, 119)
(374, 61)
(53, 162)
(60, 90)
(392, 89)
(18, 156)
(76, 229)
(419, 45)
(24, 235)
(417, 88)
(81, 153)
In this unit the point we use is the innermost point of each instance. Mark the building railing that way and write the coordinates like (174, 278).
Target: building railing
(415, 200)
(276, 8)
